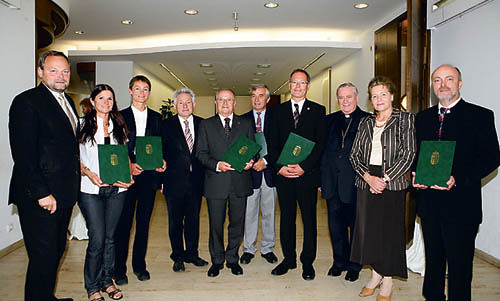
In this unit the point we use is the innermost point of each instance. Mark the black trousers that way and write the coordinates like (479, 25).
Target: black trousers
(184, 225)
(140, 196)
(236, 207)
(288, 196)
(45, 238)
(341, 219)
(451, 243)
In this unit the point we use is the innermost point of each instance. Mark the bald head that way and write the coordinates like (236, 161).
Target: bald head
(446, 84)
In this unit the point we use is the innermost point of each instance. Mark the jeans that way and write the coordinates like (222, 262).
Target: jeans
(102, 212)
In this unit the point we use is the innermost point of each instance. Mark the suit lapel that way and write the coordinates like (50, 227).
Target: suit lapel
(57, 108)
(149, 123)
(235, 129)
(179, 132)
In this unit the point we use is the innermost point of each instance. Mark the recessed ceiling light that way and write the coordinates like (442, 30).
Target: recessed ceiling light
(255, 79)
(209, 72)
(264, 66)
(80, 32)
(259, 73)
(191, 12)
(211, 79)
(127, 22)
(271, 5)
(206, 65)
(215, 88)
(361, 5)
(213, 84)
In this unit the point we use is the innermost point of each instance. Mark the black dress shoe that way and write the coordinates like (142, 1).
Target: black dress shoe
(282, 268)
(351, 276)
(213, 271)
(270, 257)
(197, 262)
(64, 299)
(246, 258)
(308, 272)
(143, 276)
(235, 268)
(335, 271)
(178, 266)
(121, 280)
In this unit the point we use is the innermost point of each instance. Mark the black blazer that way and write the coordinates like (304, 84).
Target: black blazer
(44, 148)
(153, 128)
(212, 144)
(337, 174)
(311, 126)
(476, 155)
(178, 179)
(268, 172)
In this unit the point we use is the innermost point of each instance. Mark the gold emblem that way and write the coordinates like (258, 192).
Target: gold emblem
(243, 150)
(296, 150)
(114, 159)
(435, 158)
(149, 149)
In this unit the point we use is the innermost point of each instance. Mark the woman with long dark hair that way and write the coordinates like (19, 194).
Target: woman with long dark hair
(101, 204)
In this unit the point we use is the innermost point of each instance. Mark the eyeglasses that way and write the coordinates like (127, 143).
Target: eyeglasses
(302, 83)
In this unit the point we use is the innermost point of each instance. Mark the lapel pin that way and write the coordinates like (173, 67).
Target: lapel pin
(308, 108)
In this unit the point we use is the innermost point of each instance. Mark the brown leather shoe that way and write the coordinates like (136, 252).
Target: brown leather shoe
(365, 292)
(384, 298)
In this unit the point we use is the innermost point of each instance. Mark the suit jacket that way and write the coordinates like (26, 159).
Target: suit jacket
(212, 144)
(337, 174)
(44, 148)
(153, 128)
(476, 155)
(268, 172)
(178, 179)
(311, 126)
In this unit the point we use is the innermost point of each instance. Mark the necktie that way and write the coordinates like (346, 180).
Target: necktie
(258, 123)
(296, 115)
(67, 111)
(189, 137)
(227, 128)
(443, 112)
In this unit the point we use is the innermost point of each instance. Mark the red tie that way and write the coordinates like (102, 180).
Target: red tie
(258, 124)
(189, 137)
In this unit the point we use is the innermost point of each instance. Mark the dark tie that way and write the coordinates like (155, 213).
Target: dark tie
(443, 112)
(258, 123)
(227, 128)
(189, 137)
(296, 115)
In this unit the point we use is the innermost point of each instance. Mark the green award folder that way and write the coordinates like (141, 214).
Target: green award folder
(296, 150)
(148, 152)
(434, 164)
(242, 151)
(113, 163)
(261, 140)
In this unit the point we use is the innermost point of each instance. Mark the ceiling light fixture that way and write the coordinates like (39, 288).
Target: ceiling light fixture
(215, 88)
(173, 75)
(263, 65)
(361, 5)
(206, 65)
(259, 73)
(127, 22)
(255, 79)
(191, 12)
(314, 60)
(235, 18)
(209, 72)
(213, 84)
(80, 32)
(211, 79)
(271, 5)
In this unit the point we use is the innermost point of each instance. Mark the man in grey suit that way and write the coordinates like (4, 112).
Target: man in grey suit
(224, 186)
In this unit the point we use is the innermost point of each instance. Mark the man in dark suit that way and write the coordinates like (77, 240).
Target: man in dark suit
(264, 192)
(451, 215)
(337, 179)
(224, 186)
(141, 121)
(297, 182)
(43, 130)
(183, 181)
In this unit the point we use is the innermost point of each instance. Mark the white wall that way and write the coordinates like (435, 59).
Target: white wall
(117, 75)
(159, 90)
(17, 33)
(472, 43)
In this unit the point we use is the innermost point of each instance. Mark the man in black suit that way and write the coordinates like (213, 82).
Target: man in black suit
(183, 181)
(141, 121)
(224, 186)
(337, 179)
(264, 192)
(43, 130)
(297, 182)
(451, 215)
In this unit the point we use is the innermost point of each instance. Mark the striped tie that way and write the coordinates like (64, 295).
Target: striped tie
(227, 128)
(296, 115)
(67, 111)
(443, 111)
(189, 137)
(258, 123)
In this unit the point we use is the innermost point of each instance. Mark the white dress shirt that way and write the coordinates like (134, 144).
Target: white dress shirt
(191, 124)
(262, 117)
(141, 119)
(300, 103)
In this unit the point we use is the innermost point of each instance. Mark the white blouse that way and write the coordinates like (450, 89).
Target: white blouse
(89, 156)
(376, 155)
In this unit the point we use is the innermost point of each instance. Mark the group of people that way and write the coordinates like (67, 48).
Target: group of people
(360, 162)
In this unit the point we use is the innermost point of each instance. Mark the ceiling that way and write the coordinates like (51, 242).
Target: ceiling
(286, 37)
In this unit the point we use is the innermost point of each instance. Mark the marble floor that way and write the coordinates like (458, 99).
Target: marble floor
(256, 283)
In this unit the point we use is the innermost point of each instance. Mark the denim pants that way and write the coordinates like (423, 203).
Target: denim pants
(102, 212)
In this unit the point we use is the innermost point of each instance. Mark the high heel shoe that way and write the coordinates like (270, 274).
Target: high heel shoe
(365, 291)
(384, 298)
